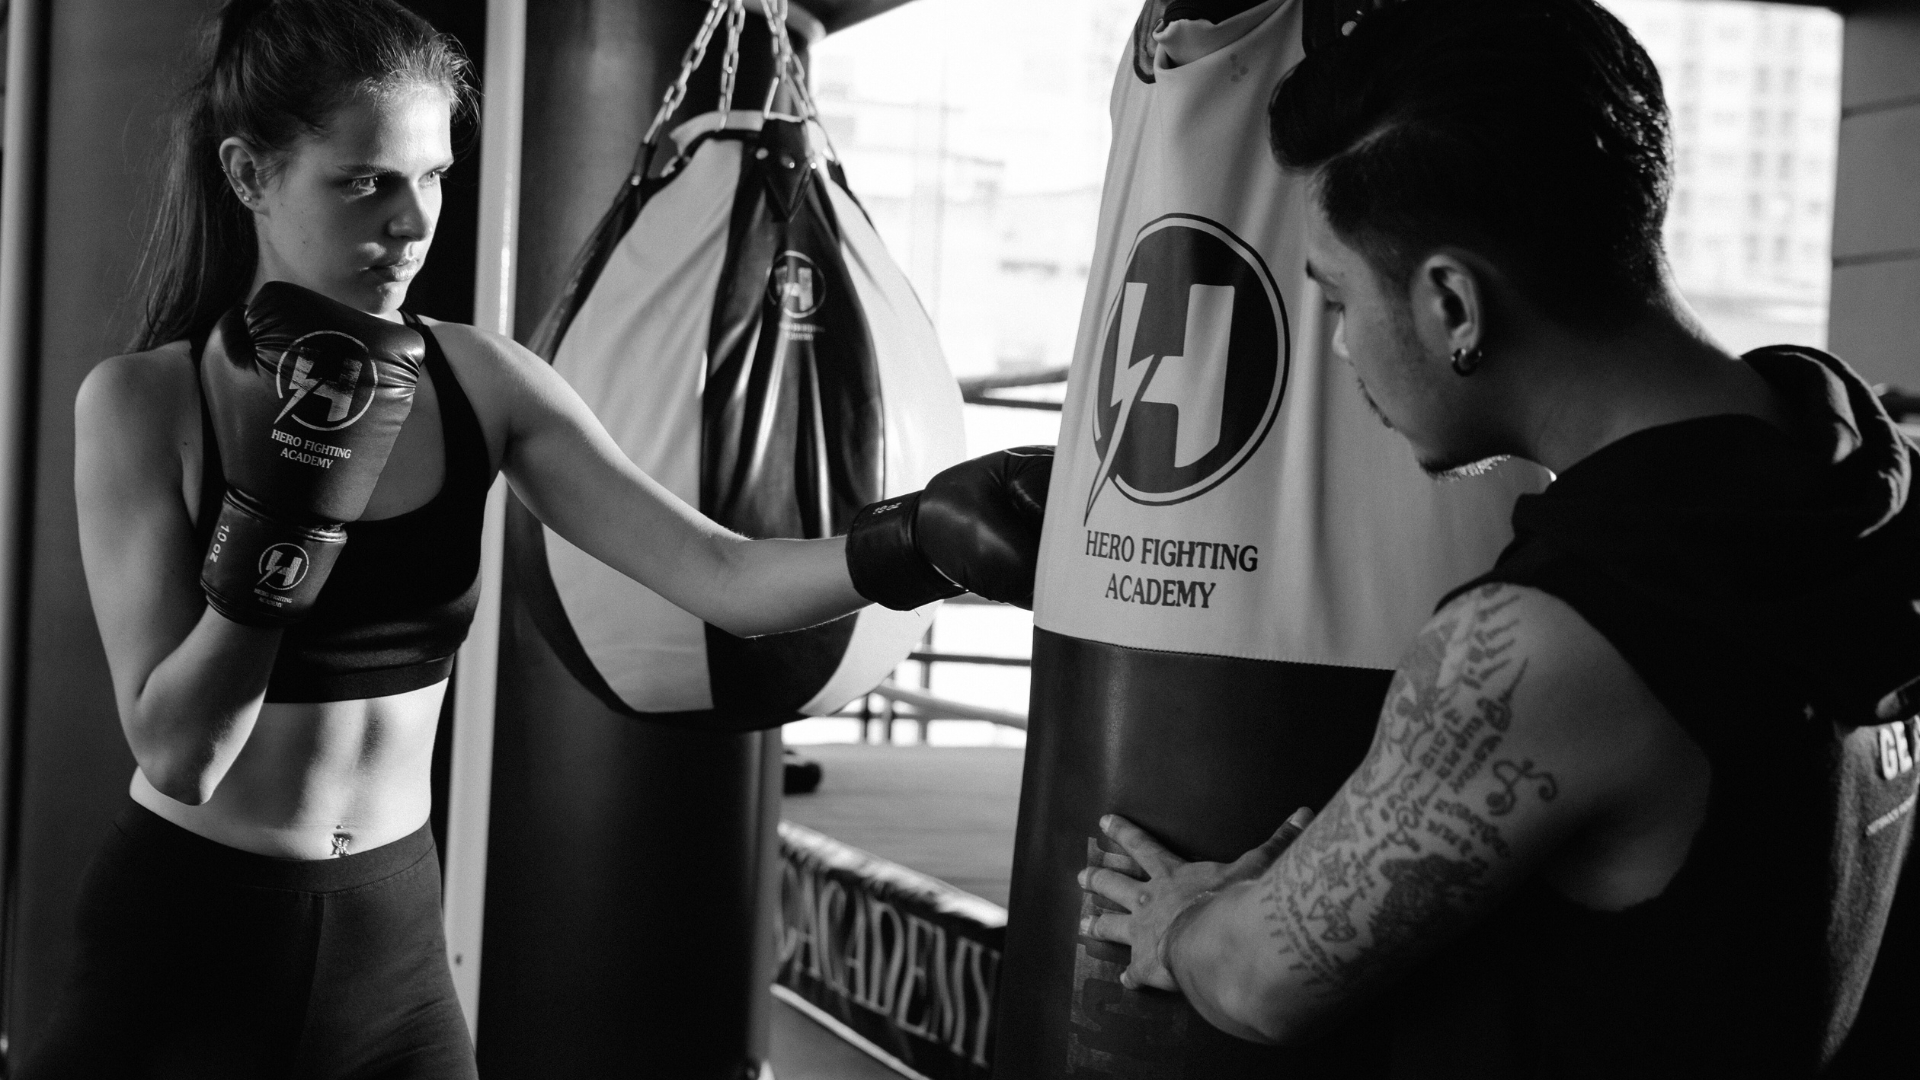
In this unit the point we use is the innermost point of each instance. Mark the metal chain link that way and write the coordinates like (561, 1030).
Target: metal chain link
(794, 72)
(776, 12)
(787, 66)
(730, 60)
(696, 52)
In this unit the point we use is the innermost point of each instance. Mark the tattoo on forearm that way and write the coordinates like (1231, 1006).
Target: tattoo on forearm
(1410, 848)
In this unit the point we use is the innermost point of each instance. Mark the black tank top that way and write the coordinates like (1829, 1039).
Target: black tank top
(402, 595)
(1751, 590)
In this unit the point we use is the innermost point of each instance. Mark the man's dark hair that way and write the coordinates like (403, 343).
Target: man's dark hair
(1532, 132)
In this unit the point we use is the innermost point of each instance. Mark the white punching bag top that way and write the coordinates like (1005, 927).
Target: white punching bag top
(1221, 486)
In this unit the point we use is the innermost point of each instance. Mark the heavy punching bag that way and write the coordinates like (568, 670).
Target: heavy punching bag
(1235, 551)
(736, 325)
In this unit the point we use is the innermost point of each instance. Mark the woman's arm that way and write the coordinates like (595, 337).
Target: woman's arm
(572, 475)
(188, 683)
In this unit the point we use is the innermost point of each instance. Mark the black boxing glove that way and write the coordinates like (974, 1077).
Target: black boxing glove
(306, 396)
(974, 528)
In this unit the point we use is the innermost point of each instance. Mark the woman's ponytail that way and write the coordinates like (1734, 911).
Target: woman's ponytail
(270, 72)
(231, 22)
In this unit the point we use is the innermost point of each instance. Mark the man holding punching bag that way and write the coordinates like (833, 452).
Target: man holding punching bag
(1233, 557)
(1640, 795)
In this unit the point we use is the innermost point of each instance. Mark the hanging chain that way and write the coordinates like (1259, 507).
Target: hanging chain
(788, 67)
(797, 82)
(776, 12)
(812, 111)
(696, 52)
(730, 60)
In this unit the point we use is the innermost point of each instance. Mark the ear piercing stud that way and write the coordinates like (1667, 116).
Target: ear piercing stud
(1468, 361)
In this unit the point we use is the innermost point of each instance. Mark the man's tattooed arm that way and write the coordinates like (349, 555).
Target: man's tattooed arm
(1408, 850)
(1515, 740)
(1470, 784)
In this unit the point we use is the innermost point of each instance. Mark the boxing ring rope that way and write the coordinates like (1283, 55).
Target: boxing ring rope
(979, 390)
(929, 707)
(970, 658)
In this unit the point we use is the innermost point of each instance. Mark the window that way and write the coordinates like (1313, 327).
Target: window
(979, 154)
(1793, 54)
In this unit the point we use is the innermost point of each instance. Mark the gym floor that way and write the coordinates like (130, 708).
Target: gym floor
(947, 812)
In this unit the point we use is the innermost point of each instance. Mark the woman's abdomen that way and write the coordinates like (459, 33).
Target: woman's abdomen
(321, 779)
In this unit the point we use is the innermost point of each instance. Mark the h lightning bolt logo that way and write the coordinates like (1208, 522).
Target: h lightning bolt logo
(282, 566)
(1192, 367)
(1194, 383)
(338, 391)
(332, 372)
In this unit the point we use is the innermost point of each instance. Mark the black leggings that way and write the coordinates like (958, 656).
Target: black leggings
(200, 960)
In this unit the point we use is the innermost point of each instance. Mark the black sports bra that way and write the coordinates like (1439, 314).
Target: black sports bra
(401, 597)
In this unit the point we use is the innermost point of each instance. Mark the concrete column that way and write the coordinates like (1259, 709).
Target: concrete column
(1875, 312)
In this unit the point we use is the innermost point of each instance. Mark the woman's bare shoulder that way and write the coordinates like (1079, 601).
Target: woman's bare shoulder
(468, 345)
(502, 378)
(497, 372)
(165, 371)
(147, 393)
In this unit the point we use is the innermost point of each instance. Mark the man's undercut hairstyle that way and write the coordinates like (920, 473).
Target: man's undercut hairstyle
(1533, 133)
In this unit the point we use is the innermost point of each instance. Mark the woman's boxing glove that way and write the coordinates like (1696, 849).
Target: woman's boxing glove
(306, 396)
(974, 528)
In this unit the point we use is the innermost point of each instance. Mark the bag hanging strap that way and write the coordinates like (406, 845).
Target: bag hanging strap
(790, 71)
(787, 67)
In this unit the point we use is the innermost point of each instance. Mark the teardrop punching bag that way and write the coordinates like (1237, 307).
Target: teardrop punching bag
(737, 327)
(1235, 553)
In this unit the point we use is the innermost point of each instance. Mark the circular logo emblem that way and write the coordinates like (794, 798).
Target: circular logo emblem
(1192, 366)
(283, 566)
(326, 380)
(796, 285)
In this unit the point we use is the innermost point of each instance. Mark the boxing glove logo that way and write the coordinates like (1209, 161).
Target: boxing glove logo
(283, 567)
(1192, 366)
(326, 380)
(795, 285)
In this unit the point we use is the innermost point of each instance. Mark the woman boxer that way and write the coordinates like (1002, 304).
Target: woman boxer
(268, 902)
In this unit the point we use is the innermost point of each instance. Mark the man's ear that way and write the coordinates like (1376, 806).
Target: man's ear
(246, 172)
(1449, 304)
